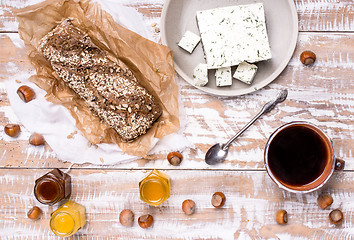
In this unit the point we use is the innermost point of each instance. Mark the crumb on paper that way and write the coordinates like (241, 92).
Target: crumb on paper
(157, 29)
(18, 81)
(102, 160)
(153, 24)
(72, 135)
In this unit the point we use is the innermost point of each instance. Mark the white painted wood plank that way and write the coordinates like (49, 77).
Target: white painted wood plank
(325, 15)
(314, 15)
(251, 202)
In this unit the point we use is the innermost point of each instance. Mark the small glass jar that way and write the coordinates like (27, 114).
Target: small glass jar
(68, 219)
(155, 188)
(52, 187)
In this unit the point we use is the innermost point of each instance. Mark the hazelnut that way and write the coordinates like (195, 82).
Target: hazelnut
(340, 163)
(126, 218)
(218, 199)
(175, 158)
(145, 221)
(188, 206)
(34, 213)
(324, 200)
(36, 139)
(307, 57)
(26, 93)
(13, 130)
(336, 216)
(281, 217)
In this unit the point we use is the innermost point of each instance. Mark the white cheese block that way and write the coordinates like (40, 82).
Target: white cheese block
(245, 72)
(223, 77)
(189, 41)
(200, 76)
(231, 35)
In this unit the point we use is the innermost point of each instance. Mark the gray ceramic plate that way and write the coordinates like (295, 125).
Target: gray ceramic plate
(179, 16)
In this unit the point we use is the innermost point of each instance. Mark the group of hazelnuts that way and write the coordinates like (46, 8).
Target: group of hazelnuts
(324, 201)
(126, 217)
(26, 94)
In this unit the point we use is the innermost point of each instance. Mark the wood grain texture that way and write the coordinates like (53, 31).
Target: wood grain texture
(325, 15)
(251, 202)
(321, 94)
(314, 15)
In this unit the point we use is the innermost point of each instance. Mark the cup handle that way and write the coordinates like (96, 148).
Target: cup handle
(339, 165)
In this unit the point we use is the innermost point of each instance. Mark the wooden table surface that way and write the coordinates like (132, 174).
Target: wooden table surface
(322, 94)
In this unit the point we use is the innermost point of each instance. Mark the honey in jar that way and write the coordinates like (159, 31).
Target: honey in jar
(155, 188)
(53, 187)
(68, 219)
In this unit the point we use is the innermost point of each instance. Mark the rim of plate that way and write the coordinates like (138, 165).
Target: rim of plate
(253, 88)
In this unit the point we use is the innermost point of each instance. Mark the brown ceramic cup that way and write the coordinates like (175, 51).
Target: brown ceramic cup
(299, 157)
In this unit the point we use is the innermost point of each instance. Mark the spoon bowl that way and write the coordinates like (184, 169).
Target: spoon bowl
(215, 154)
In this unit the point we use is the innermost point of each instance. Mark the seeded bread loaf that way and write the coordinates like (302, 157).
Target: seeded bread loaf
(110, 90)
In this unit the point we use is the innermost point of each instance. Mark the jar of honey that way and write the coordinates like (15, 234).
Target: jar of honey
(155, 188)
(52, 187)
(68, 219)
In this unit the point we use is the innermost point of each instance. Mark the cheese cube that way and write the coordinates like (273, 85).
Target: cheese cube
(223, 77)
(231, 35)
(189, 41)
(200, 77)
(245, 72)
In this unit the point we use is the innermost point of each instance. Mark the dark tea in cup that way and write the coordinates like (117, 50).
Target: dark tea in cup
(299, 157)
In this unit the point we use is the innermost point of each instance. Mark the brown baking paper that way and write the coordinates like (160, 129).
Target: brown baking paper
(150, 62)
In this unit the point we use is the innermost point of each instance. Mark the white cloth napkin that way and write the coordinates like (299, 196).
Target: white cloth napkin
(56, 123)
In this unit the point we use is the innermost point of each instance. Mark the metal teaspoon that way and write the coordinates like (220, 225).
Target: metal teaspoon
(218, 152)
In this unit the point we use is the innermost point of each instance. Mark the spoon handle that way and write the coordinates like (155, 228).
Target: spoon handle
(266, 108)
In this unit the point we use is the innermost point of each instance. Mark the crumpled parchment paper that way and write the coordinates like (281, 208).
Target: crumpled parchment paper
(151, 63)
